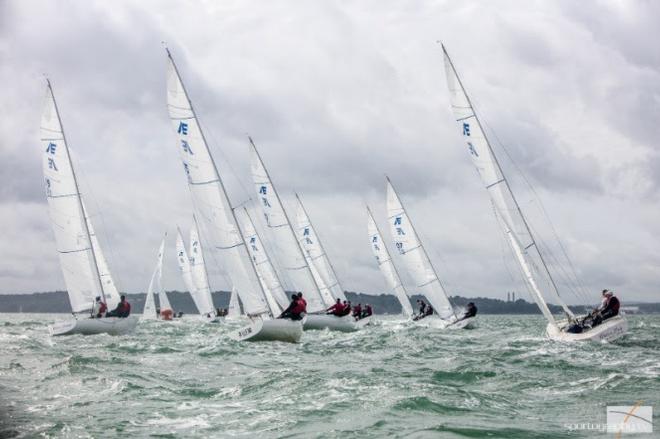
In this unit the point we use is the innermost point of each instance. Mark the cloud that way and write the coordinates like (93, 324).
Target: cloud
(336, 95)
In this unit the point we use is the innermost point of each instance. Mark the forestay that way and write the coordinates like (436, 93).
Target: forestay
(290, 255)
(414, 255)
(202, 296)
(209, 196)
(386, 264)
(72, 236)
(275, 294)
(317, 256)
(506, 206)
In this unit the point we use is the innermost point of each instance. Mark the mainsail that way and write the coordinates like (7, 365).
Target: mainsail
(202, 297)
(518, 232)
(267, 274)
(317, 256)
(414, 255)
(291, 256)
(209, 196)
(156, 287)
(72, 234)
(386, 264)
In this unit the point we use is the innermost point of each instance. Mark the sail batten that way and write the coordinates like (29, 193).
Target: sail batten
(505, 203)
(209, 196)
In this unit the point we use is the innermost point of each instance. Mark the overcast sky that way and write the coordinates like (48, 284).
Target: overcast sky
(336, 95)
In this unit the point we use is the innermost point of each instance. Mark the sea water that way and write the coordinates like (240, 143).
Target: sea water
(393, 379)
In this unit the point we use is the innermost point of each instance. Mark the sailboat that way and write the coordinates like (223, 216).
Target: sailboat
(322, 268)
(419, 265)
(520, 236)
(214, 210)
(291, 255)
(193, 271)
(149, 312)
(386, 265)
(85, 271)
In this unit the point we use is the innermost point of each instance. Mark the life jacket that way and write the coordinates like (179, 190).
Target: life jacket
(614, 304)
(300, 307)
(102, 308)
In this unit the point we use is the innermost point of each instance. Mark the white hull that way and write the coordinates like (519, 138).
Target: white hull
(271, 330)
(334, 323)
(609, 330)
(107, 325)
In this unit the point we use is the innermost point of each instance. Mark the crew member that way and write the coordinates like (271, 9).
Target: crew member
(100, 308)
(123, 309)
(470, 311)
(337, 309)
(368, 311)
(357, 311)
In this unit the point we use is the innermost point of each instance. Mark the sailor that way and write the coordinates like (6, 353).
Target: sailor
(357, 311)
(603, 302)
(470, 311)
(611, 307)
(422, 310)
(123, 309)
(100, 308)
(302, 300)
(429, 310)
(368, 311)
(295, 308)
(347, 309)
(337, 309)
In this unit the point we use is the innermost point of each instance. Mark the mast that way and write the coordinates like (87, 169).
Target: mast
(421, 246)
(508, 187)
(78, 196)
(215, 169)
(323, 254)
(288, 222)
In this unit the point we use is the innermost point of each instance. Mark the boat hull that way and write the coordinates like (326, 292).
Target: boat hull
(107, 325)
(333, 323)
(609, 330)
(271, 330)
(436, 322)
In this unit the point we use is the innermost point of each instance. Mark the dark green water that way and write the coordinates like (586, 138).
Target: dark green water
(187, 379)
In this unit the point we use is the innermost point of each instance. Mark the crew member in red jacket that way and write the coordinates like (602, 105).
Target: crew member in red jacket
(337, 309)
(123, 309)
(100, 307)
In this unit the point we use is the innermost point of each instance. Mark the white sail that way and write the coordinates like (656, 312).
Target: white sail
(202, 298)
(506, 206)
(234, 308)
(414, 255)
(317, 256)
(272, 286)
(386, 264)
(210, 199)
(109, 288)
(156, 287)
(290, 255)
(72, 236)
(184, 265)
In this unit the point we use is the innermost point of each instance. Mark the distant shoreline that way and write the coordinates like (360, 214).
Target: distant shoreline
(57, 302)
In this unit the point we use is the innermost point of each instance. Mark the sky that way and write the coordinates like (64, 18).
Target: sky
(338, 94)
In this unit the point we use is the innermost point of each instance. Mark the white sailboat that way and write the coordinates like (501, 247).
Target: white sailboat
(386, 265)
(155, 287)
(214, 210)
(78, 249)
(520, 236)
(291, 255)
(419, 265)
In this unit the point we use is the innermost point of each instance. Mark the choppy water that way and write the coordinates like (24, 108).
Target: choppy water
(187, 379)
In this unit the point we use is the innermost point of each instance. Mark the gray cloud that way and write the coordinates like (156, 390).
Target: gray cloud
(336, 96)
